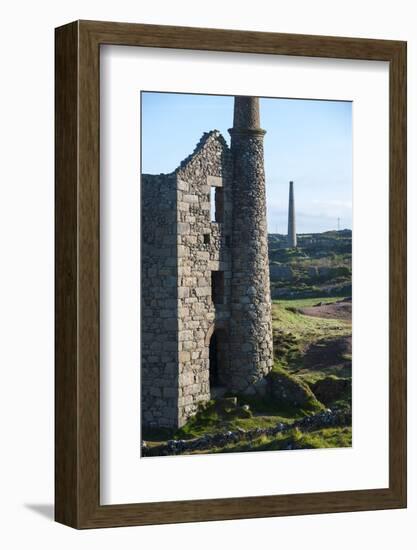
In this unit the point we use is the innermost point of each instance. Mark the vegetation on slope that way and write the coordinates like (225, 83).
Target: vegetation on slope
(312, 347)
(321, 265)
(326, 438)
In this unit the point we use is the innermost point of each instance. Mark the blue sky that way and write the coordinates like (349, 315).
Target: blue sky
(307, 141)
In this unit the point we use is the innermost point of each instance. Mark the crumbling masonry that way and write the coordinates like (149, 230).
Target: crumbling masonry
(206, 310)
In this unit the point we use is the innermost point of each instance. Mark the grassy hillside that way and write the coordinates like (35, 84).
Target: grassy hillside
(312, 374)
(321, 265)
(308, 403)
(314, 348)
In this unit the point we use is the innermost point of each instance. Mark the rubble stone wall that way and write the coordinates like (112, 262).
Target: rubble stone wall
(204, 246)
(251, 321)
(159, 293)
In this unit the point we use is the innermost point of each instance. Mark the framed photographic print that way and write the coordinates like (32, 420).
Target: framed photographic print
(230, 274)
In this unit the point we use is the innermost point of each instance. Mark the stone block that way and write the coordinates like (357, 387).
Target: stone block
(190, 199)
(185, 335)
(183, 292)
(183, 228)
(203, 291)
(184, 356)
(214, 181)
(188, 345)
(182, 251)
(203, 255)
(182, 185)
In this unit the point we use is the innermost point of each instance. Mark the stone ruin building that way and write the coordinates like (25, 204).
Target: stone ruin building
(206, 325)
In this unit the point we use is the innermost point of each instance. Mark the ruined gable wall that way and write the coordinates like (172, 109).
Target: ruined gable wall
(196, 259)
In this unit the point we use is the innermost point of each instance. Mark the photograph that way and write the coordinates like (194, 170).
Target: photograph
(246, 274)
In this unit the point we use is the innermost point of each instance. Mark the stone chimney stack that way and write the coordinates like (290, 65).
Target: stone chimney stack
(251, 354)
(292, 235)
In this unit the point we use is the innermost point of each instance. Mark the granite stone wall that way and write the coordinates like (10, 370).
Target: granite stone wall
(206, 311)
(159, 293)
(203, 247)
(181, 247)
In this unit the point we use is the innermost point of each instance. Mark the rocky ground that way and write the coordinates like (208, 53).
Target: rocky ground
(321, 265)
(335, 310)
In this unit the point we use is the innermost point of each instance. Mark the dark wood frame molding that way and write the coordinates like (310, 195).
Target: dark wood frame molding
(77, 274)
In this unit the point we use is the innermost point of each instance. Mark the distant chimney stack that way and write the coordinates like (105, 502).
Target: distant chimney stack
(292, 235)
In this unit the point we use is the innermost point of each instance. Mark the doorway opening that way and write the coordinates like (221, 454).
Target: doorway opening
(218, 362)
(217, 287)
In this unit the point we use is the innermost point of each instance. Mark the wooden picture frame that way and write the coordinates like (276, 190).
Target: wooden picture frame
(77, 404)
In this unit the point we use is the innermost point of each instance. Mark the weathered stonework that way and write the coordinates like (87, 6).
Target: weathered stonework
(206, 312)
(159, 276)
(251, 322)
(203, 249)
